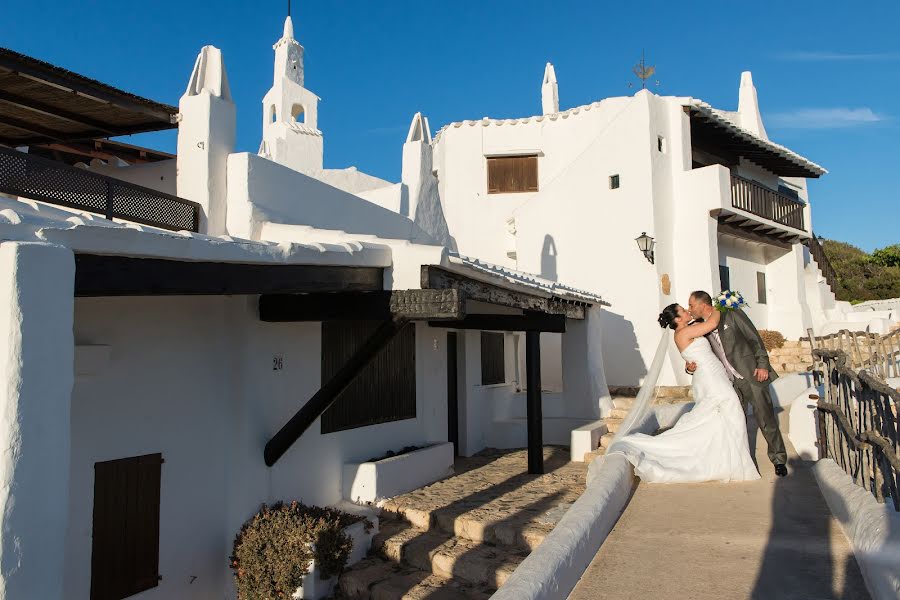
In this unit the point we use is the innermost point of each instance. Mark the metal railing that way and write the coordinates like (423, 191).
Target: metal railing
(56, 183)
(818, 253)
(858, 426)
(761, 201)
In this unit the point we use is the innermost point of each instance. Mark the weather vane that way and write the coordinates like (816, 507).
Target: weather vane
(289, 7)
(643, 71)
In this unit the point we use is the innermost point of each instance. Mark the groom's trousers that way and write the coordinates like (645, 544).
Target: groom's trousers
(759, 398)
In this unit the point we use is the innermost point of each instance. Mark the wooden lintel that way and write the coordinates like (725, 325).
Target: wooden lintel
(101, 275)
(377, 305)
(439, 278)
(531, 322)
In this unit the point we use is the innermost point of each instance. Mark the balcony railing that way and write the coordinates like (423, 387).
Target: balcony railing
(761, 201)
(56, 183)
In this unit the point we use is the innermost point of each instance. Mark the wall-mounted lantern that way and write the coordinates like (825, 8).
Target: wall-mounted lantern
(645, 244)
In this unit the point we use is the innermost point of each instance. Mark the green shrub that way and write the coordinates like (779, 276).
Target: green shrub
(772, 339)
(861, 276)
(273, 550)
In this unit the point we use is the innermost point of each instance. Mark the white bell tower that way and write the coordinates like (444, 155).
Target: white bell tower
(291, 136)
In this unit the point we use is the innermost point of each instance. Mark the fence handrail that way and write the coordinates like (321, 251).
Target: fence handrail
(864, 438)
(38, 178)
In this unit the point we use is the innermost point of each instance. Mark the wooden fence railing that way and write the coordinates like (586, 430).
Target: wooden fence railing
(858, 426)
(879, 354)
(818, 253)
(761, 201)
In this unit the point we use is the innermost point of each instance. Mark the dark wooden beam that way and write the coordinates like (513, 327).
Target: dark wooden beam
(434, 277)
(750, 235)
(533, 322)
(375, 306)
(325, 397)
(534, 415)
(100, 275)
(27, 127)
(54, 112)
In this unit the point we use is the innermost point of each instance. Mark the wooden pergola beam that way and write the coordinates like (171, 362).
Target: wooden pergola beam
(102, 275)
(53, 111)
(532, 322)
(375, 306)
(439, 278)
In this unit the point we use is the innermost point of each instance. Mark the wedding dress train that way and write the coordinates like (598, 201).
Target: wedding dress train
(709, 443)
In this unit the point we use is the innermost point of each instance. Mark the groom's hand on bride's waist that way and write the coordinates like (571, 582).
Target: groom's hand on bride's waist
(690, 367)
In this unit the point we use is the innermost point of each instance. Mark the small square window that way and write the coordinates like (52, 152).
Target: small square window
(661, 144)
(613, 182)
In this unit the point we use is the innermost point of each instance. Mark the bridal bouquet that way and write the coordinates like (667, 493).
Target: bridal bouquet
(729, 300)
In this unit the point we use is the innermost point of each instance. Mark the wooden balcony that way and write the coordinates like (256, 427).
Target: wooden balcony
(759, 200)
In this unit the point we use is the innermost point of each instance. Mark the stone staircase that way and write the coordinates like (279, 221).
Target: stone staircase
(462, 537)
(794, 357)
(623, 400)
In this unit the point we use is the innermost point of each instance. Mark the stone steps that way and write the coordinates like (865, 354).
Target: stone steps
(446, 555)
(462, 537)
(377, 579)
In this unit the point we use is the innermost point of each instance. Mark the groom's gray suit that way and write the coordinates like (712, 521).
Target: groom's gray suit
(746, 352)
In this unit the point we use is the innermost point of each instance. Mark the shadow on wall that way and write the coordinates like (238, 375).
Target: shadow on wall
(548, 259)
(622, 360)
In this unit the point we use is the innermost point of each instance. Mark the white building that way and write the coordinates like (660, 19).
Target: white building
(200, 351)
(566, 193)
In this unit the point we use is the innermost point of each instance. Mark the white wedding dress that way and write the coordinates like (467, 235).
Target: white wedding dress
(709, 443)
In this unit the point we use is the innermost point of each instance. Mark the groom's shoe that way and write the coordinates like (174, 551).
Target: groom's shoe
(780, 470)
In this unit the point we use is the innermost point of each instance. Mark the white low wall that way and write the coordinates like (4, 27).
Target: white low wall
(371, 482)
(873, 529)
(554, 568)
(316, 588)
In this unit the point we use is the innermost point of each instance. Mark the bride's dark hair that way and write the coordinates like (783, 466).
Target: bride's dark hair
(667, 316)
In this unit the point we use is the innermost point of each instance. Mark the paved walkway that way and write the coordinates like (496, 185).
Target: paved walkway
(772, 539)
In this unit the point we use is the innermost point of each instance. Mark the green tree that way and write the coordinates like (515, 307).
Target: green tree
(889, 256)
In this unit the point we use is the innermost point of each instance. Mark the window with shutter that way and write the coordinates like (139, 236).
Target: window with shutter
(384, 391)
(125, 546)
(493, 359)
(512, 174)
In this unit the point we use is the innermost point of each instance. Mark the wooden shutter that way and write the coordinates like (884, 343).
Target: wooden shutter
(493, 358)
(512, 174)
(125, 546)
(384, 391)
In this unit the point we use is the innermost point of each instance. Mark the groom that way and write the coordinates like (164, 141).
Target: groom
(737, 344)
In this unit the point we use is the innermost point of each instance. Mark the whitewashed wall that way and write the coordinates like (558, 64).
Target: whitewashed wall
(192, 378)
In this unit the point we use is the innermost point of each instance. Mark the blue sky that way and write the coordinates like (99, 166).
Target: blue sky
(828, 73)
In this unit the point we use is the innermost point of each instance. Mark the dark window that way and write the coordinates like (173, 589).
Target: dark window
(384, 391)
(512, 174)
(761, 287)
(725, 277)
(613, 182)
(125, 546)
(493, 360)
(786, 190)
(661, 144)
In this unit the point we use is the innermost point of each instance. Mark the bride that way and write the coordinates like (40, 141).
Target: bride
(709, 443)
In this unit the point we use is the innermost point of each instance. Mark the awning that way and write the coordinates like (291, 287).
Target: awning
(43, 103)
(708, 128)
